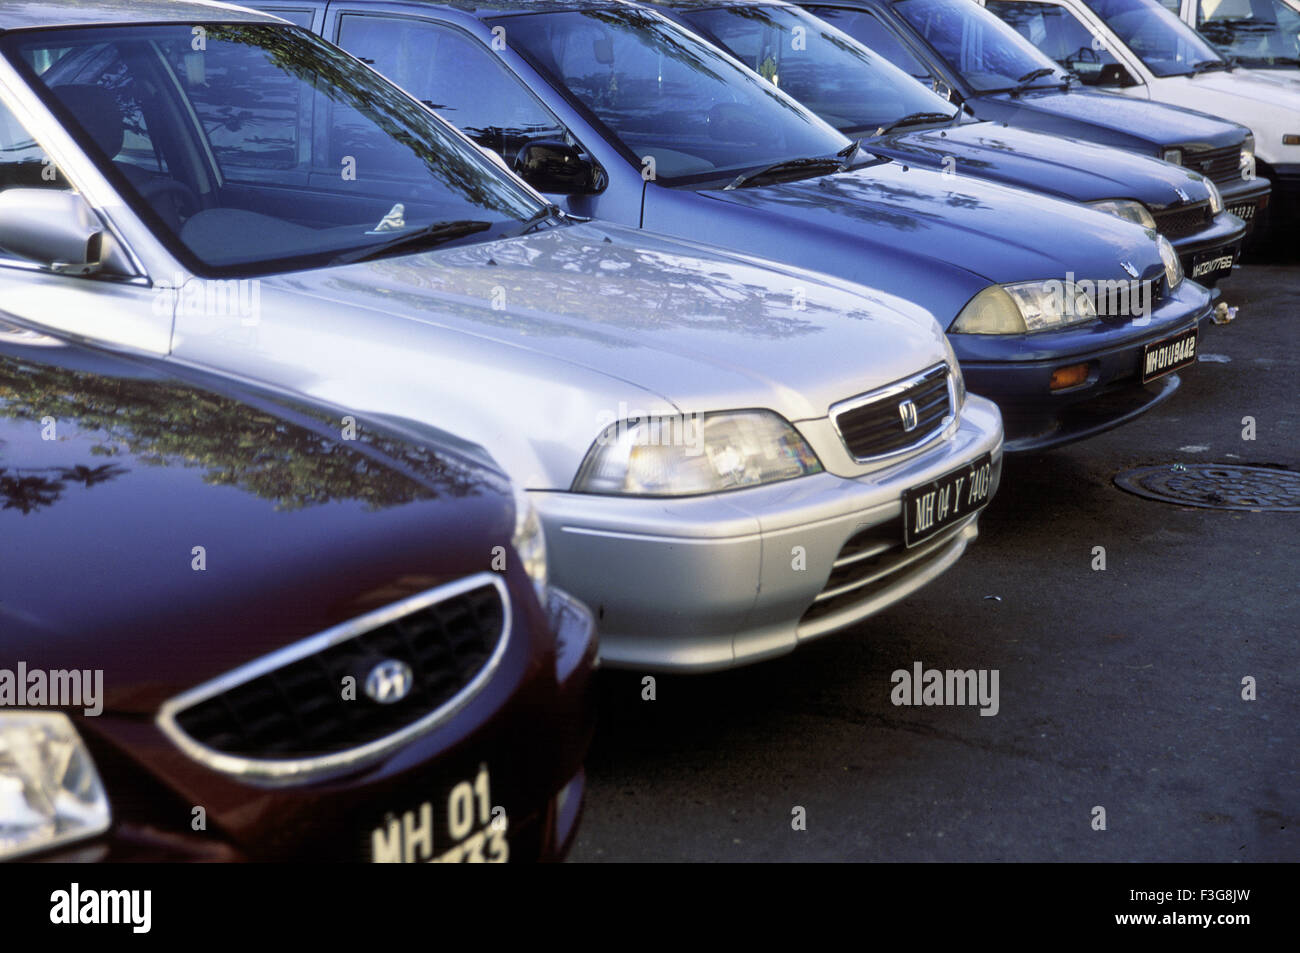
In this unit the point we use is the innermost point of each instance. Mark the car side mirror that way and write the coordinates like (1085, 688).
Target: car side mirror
(52, 227)
(549, 165)
(1113, 74)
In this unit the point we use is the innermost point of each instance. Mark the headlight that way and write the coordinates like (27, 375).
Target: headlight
(1173, 267)
(50, 792)
(1173, 155)
(1027, 306)
(1216, 197)
(1247, 161)
(530, 543)
(682, 456)
(1126, 209)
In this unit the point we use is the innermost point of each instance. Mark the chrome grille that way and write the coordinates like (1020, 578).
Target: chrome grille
(1181, 222)
(872, 425)
(1219, 165)
(285, 717)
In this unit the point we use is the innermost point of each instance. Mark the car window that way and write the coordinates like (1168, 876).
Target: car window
(1163, 42)
(854, 89)
(1062, 36)
(454, 74)
(315, 160)
(865, 27)
(670, 101)
(988, 54)
(298, 16)
(1260, 33)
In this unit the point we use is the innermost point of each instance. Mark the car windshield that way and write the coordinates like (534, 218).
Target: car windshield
(1258, 33)
(254, 148)
(1164, 43)
(667, 99)
(855, 90)
(988, 54)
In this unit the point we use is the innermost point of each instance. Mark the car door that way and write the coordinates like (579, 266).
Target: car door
(472, 86)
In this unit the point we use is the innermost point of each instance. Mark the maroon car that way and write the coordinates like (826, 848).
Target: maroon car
(236, 627)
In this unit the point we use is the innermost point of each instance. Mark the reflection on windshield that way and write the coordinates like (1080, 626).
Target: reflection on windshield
(168, 424)
(1166, 44)
(988, 54)
(852, 88)
(313, 156)
(666, 98)
(1258, 33)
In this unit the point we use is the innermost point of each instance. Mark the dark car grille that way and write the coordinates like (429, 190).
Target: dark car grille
(1181, 222)
(872, 426)
(297, 710)
(1219, 165)
(1127, 300)
(869, 563)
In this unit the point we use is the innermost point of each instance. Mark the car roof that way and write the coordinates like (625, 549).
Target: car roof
(489, 8)
(32, 14)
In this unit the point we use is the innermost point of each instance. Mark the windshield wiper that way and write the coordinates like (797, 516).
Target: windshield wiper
(539, 218)
(913, 118)
(796, 168)
(1204, 66)
(429, 235)
(1023, 82)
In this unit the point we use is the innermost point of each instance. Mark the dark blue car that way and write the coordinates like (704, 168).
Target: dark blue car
(965, 51)
(862, 94)
(622, 114)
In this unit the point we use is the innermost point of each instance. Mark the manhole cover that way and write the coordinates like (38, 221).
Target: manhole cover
(1216, 485)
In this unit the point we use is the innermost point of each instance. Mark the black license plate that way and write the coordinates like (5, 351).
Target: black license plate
(1216, 263)
(1244, 212)
(932, 507)
(1164, 357)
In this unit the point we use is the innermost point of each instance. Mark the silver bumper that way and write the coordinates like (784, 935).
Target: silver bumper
(712, 582)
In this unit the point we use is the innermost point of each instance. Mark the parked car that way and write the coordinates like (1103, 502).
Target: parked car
(620, 113)
(235, 626)
(1139, 49)
(862, 94)
(980, 62)
(1258, 34)
(729, 457)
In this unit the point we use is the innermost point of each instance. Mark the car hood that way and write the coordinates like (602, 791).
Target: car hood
(539, 336)
(1068, 168)
(1158, 123)
(115, 472)
(997, 233)
(1281, 97)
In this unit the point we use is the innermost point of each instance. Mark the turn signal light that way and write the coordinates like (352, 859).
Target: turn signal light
(1072, 375)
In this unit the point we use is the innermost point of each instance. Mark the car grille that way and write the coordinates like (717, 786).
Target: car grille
(870, 562)
(290, 706)
(1127, 301)
(1219, 165)
(1181, 222)
(871, 425)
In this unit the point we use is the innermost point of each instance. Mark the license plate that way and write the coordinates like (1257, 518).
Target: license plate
(934, 506)
(1244, 212)
(462, 827)
(1163, 357)
(1212, 264)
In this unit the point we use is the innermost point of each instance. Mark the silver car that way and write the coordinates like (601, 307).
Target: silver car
(728, 456)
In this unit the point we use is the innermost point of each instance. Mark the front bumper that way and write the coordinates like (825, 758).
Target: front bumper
(1015, 371)
(705, 583)
(1248, 199)
(1211, 253)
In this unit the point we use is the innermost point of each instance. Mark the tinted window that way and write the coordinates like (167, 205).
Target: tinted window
(666, 97)
(855, 90)
(454, 74)
(867, 29)
(322, 161)
(972, 41)
(298, 16)
(1166, 44)
(1058, 33)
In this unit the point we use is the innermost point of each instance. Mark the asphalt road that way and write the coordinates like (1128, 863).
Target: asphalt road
(1118, 689)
